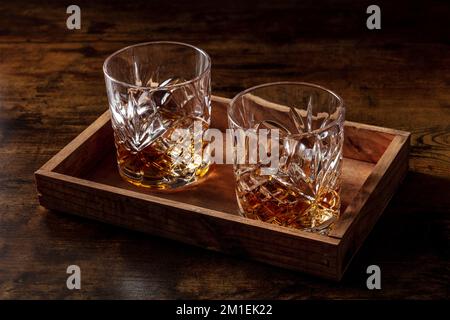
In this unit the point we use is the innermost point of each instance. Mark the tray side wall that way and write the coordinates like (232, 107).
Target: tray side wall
(276, 248)
(362, 142)
(326, 257)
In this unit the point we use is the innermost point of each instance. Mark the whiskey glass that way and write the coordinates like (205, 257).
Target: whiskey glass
(303, 190)
(154, 90)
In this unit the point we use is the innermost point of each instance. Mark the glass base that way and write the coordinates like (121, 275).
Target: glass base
(167, 183)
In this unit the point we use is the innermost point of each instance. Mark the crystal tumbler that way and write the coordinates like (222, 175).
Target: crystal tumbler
(155, 91)
(302, 189)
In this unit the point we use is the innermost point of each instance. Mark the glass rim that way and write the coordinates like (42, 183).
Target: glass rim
(340, 106)
(142, 44)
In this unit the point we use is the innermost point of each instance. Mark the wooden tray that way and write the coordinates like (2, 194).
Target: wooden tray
(83, 179)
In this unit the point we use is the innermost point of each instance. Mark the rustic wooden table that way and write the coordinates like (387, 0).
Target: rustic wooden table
(51, 88)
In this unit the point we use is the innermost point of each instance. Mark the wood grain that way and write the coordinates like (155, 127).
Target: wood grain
(52, 88)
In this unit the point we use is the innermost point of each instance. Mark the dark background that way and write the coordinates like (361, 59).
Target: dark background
(51, 88)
